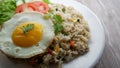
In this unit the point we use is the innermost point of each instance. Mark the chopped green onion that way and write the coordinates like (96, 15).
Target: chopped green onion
(58, 18)
(47, 16)
(27, 28)
(47, 1)
(51, 11)
(58, 23)
(58, 28)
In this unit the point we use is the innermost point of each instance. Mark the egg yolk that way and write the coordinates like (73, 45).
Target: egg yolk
(30, 38)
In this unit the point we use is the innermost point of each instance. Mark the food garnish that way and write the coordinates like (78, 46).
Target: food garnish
(7, 8)
(58, 23)
(58, 18)
(47, 1)
(47, 16)
(28, 28)
(58, 27)
(38, 6)
(42, 6)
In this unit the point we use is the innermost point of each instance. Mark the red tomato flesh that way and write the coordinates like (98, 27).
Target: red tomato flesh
(43, 7)
(34, 6)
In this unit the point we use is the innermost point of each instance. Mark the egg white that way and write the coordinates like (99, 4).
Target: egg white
(9, 48)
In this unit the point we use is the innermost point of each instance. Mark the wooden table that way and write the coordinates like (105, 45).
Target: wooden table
(109, 13)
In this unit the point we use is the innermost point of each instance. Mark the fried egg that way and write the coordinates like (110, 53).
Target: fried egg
(15, 42)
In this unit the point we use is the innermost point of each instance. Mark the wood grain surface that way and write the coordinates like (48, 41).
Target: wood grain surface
(109, 13)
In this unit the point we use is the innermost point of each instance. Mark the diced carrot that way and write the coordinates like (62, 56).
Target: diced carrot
(57, 48)
(72, 43)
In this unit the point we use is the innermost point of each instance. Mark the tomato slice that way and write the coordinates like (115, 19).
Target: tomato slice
(43, 7)
(19, 8)
(34, 6)
(27, 6)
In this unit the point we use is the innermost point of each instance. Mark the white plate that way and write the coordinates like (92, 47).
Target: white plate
(96, 42)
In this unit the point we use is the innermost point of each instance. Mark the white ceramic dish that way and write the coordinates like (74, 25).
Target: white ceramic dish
(96, 42)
